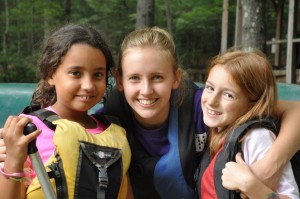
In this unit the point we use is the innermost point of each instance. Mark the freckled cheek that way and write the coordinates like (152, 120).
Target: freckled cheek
(203, 99)
(232, 111)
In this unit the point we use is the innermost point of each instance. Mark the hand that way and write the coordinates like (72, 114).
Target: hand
(16, 142)
(237, 176)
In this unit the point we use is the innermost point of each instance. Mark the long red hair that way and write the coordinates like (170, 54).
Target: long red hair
(253, 73)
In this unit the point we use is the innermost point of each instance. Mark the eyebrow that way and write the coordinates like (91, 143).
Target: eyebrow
(79, 67)
(224, 88)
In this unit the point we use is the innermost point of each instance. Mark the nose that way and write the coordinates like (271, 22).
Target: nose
(213, 99)
(87, 83)
(146, 88)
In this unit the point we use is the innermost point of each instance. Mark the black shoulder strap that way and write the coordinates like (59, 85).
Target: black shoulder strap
(44, 115)
(295, 161)
(204, 162)
(107, 118)
(187, 132)
(232, 146)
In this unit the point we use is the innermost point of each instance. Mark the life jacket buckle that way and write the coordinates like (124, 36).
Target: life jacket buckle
(103, 178)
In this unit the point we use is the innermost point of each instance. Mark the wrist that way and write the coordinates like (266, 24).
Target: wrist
(12, 165)
(17, 176)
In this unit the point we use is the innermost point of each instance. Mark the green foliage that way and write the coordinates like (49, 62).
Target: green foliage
(198, 32)
(27, 25)
(196, 28)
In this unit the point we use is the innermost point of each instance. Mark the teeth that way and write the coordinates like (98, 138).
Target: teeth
(213, 112)
(147, 102)
(84, 97)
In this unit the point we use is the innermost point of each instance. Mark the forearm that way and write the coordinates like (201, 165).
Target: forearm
(255, 189)
(288, 140)
(269, 168)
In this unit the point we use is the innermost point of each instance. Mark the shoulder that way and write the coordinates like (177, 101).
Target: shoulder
(38, 122)
(256, 144)
(260, 133)
(35, 120)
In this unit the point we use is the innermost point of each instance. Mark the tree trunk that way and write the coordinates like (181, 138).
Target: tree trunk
(5, 34)
(145, 13)
(18, 33)
(224, 36)
(253, 25)
(168, 16)
(279, 8)
(238, 25)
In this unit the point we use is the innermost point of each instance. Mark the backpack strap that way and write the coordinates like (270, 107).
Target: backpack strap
(46, 116)
(232, 146)
(203, 164)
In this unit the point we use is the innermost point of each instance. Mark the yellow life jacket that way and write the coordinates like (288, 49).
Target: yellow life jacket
(86, 164)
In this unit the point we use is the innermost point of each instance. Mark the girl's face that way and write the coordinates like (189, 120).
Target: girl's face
(223, 102)
(147, 81)
(79, 80)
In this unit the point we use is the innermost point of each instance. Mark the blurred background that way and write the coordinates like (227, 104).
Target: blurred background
(201, 29)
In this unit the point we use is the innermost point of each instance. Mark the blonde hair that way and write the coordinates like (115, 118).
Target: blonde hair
(157, 38)
(253, 73)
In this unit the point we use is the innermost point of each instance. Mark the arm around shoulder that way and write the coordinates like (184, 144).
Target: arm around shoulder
(284, 147)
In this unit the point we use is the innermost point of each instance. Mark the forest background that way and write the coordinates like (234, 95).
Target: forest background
(196, 26)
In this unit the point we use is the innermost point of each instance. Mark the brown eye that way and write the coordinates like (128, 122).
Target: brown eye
(99, 75)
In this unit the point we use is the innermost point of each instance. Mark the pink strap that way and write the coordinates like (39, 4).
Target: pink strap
(7, 175)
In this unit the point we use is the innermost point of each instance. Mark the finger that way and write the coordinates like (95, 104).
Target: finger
(2, 151)
(243, 196)
(239, 159)
(2, 157)
(2, 146)
(33, 135)
(21, 123)
(10, 125)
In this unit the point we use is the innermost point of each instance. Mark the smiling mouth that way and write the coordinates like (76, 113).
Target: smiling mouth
(85, 97)
(147, 102)
(211, 112)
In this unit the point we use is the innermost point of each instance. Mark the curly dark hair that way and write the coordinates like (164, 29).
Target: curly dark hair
(56, 47)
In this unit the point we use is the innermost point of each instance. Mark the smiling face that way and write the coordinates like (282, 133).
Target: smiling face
(147, 81)
(223, 102)
(79, 80)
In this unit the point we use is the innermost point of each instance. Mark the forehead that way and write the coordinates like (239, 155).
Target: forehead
(219, 76)
(146, 58)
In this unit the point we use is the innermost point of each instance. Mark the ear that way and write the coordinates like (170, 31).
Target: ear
(119, 79)
(50, 81)
(178, 78)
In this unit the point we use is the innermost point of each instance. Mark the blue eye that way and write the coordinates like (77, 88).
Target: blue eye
(157, 77)
(134, 77)
(209, 88)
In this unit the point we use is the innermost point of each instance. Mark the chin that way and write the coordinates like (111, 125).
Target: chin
(210, 124)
